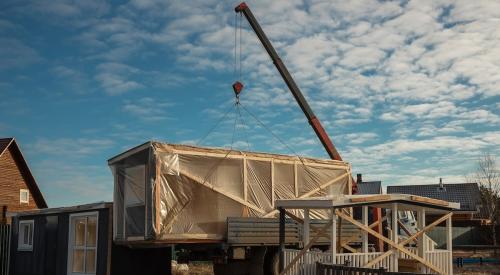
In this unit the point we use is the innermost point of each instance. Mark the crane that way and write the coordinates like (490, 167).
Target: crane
(297, 94)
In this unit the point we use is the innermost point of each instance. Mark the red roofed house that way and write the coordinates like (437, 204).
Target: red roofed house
(18, 188)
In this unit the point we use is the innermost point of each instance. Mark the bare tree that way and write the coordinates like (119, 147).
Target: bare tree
(487, 176)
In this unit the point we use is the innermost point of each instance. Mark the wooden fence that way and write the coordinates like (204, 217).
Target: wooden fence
(331, 269)
(4, 248)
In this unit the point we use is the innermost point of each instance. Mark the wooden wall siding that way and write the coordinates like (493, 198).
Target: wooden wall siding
(50, 245)
(11, 181)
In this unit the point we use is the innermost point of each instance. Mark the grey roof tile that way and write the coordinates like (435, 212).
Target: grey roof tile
(467, 194)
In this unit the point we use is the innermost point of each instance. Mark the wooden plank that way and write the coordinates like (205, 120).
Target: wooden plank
(314, 191)
(375, 198)
(399, 247)
(304, 250)
(295, 179)
(306, 161)
(245, 180)
(429, 200)
(409, 239)
(272, 183)
(221, 191)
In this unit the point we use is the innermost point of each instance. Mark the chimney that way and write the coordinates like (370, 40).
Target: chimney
(441, 185)
(359, 178)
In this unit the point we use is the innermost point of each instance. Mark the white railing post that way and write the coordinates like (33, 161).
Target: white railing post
(421, 251)
(449, 244)
(334, 236)
(395, 237)
(305, 236)
(364, 217)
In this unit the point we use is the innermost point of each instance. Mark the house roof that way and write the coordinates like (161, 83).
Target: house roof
(405, 202)
(369, 187)
(6, 143)
(467, 194)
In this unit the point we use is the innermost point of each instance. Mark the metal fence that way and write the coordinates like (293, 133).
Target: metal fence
(4, 248)
(332, 269)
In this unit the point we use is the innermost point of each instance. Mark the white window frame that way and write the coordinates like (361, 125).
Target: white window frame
(27, 192)
(71, 238)
(21, 246)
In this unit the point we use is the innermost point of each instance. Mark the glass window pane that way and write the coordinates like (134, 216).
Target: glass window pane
(90, 261)
(78, 260)
(79, 231)
(26, 234)
(91, 231)
(30, 234)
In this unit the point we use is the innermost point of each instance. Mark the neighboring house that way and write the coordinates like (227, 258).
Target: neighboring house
(78, 240)
(18, 188)
(369, 187)
(467, 194)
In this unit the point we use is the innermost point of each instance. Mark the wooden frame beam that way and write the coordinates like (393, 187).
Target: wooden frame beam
(312, 192)
(411, 238)
(223, 192)
(306, 248)
(399, 247)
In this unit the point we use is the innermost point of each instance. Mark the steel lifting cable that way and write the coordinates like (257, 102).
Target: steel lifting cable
(216, 125)
(273, 134)
(213, 168)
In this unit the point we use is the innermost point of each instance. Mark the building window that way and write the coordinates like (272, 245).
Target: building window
(25, 241)
(24, 196)
(82, 248)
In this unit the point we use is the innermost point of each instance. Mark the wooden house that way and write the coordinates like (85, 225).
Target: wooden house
(18, 188)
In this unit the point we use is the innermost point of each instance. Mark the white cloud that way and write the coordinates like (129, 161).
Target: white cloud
(15, 54)
(147, 109)
(115, 78)
(68, 147)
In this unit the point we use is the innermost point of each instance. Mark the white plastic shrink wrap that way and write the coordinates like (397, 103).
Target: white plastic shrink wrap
(178, 192)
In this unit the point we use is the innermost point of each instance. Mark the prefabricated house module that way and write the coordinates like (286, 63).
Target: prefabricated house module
(173, 193)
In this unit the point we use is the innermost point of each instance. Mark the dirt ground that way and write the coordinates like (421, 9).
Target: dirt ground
(192, 269)
(476, 269)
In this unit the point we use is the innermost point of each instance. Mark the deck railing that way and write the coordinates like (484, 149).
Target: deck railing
(307, 262)
(306, 265)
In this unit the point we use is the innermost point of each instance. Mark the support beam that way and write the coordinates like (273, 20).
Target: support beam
(399, 247)
(304, 250)
(312, 192)
(305, 226)
(405, 242)
(421, 224)
(364, 218)
(395, 235)
(272, 184)
(449, 243)
(334, 236)
(282, 239)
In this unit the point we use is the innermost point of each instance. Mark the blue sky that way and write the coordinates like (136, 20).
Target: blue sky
(409, 91)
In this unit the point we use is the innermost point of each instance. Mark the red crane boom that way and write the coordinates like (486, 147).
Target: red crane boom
(297, 94)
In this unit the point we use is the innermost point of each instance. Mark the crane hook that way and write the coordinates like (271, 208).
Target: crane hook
(237, 88)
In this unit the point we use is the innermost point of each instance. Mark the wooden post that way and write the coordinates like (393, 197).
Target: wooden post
(305, 226)
(282, 239)
(421, 241)
(272, 183)
(394, 233)
(295, 179)
(449, 244)
(245, 181)
(364, 218)
(334, 236)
